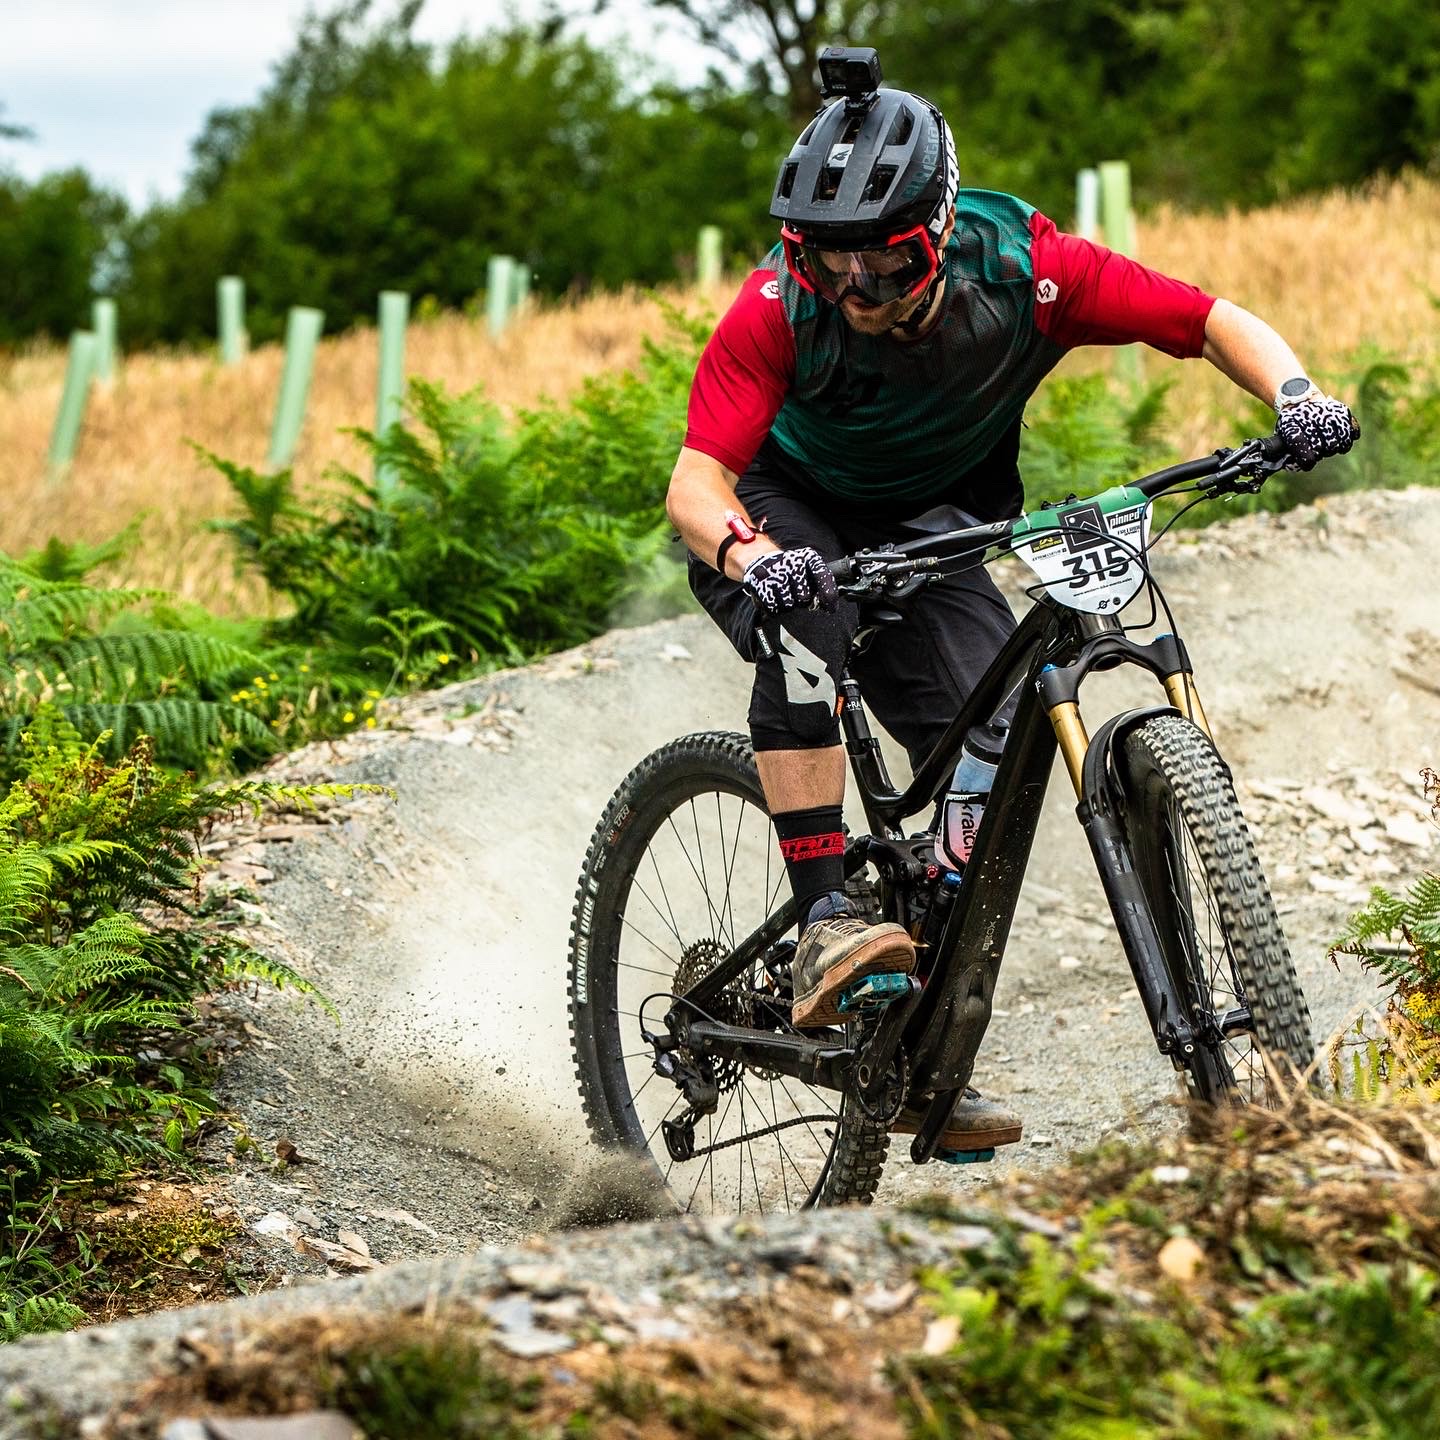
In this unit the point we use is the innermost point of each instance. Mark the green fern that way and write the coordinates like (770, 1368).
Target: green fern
(1397, 937)
(85, 650)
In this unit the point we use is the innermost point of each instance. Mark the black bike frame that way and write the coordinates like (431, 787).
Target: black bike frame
(1046, 658)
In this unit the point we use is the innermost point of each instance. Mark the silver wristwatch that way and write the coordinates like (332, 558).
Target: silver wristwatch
(1292, 392)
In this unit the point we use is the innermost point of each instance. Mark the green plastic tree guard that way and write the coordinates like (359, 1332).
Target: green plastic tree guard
(102, 322)
(499, 283)
(1117, 221)
(1087, 204)
(390, 394)
(230, 307)
(519, 286)
(302, 334)
(79, 372)
(707, 255)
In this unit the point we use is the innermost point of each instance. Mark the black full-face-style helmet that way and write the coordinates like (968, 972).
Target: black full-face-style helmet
(864, 195)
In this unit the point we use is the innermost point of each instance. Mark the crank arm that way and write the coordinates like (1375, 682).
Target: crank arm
(815, 1061)
(873, 1065)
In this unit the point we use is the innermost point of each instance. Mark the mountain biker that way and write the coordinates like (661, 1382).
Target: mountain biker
(870, 376)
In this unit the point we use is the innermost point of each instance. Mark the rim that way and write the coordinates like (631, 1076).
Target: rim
(1210, 968)
(708, 874)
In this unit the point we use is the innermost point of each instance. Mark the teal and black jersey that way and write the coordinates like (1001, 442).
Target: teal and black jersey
(876, 420)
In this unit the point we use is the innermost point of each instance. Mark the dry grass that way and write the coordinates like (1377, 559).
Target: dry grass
(135, 454)
(1333, 273)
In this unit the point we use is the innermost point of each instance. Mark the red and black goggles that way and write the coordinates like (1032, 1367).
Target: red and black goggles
(902, 267)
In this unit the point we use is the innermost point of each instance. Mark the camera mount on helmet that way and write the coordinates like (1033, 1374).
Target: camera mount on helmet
(851, 71)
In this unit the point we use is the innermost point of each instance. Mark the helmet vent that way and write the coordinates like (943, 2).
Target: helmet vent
(787, 180)
(827, 182)
(882, 177)
(900, 130)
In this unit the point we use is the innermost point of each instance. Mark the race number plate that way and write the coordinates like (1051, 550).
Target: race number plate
(1089, 554)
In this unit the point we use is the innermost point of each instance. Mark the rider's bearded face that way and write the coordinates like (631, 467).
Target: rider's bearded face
(877, 319)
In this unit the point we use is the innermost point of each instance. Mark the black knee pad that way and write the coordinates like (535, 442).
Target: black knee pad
(800, 656)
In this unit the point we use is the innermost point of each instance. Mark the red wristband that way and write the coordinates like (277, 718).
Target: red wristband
(741, 533)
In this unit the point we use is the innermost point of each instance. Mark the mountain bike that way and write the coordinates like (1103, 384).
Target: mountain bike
(680, 950)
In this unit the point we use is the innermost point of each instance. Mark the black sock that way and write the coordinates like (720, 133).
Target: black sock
(813, 846)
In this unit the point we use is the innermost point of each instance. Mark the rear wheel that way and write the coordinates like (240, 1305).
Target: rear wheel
(682, 865)
(1222, 940)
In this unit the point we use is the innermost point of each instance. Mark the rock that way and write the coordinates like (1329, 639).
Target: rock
(341, 1256)
(1334, 806)
(1069, 962)
(889, 1302)
(313, 1425)
(1170, 1174)
(941, 1335)
(1366, 841)
(404, 1217)
(1180, 1257)
(532, 1344)
(308, 1218)
(1410, 830)
(353, 1241)
(511, 1312)
(277, 1222)
(542, 1281)
(1326, 885)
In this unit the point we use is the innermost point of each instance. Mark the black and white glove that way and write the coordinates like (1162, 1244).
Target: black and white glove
(790, 580)
(1314, 428)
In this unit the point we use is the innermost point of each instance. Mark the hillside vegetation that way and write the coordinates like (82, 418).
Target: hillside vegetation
(1367, 284)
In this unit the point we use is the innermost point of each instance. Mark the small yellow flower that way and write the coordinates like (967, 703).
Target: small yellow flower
(304, 669)
(273, 675)
(368, 705)
(373, 694)
(370, 723)
(443, 659)
(411, 675)
(349, 717)
(257, 679)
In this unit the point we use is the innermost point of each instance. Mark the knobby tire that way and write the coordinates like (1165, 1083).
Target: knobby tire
(614, 890)
(1217, 920)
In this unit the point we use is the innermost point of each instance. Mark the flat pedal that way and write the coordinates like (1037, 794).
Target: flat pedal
(964, 1157)
(873, 992)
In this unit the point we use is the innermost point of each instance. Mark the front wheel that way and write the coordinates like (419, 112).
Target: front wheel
(683, 865)
(1222, 942)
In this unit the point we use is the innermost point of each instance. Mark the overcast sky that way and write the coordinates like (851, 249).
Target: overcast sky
(123, 86)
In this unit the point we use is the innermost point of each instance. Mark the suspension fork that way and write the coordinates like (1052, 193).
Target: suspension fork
(1104, 644)
(1087, 761)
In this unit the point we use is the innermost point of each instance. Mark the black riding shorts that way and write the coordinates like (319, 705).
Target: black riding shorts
(914, 675)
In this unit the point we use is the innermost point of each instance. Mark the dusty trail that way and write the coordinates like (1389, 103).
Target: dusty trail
(439, 924)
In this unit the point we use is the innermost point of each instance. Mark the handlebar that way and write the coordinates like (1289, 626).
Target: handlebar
(899, 569)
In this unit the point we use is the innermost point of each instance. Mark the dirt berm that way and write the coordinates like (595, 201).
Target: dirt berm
(442, 1113)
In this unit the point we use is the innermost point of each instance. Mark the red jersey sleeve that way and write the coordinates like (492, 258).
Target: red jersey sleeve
(1088, 295)
(744, 374)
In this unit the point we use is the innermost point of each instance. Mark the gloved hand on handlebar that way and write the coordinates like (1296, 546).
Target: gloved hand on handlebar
(790, 580)
(1315, 428)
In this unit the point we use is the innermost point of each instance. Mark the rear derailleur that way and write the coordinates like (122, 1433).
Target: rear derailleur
(695, 1082)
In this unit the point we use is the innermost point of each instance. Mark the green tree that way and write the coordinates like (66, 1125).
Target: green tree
(55, 235)
(400, 168)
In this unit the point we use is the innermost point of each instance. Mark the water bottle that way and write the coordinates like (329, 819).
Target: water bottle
(963, 806)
